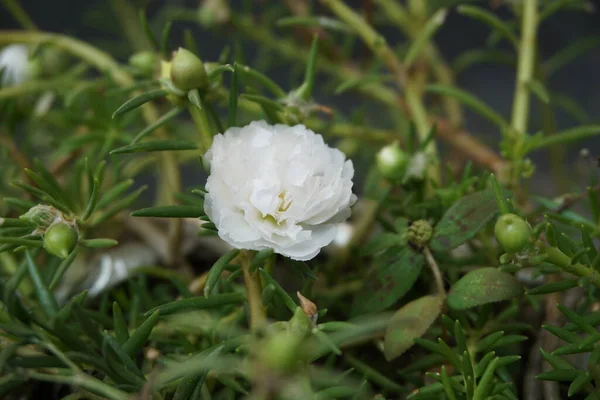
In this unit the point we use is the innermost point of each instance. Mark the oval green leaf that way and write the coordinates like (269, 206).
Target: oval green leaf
(463, 220)
(409, 323)
(391, 278)
(482, 286)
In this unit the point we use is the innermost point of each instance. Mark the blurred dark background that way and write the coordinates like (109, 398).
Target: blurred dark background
(95, 21)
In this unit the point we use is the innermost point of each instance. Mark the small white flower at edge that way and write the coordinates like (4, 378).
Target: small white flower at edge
(277, 187)
(14, 61)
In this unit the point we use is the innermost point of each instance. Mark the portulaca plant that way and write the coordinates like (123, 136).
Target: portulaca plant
(179, 225)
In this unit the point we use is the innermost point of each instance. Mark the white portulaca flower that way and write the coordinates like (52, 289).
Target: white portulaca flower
(14, 61)
(277, 187)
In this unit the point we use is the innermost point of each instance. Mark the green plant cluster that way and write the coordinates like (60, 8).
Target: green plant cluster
(456, 282)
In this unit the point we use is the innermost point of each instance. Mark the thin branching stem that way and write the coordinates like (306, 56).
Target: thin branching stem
(437, 274)
(258, 317)
(525, 74)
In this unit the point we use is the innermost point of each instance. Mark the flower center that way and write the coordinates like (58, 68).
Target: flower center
(284, 202)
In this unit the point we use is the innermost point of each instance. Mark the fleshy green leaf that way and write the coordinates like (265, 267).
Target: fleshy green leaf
(410, 322)
(539, 90)
(490, 19)
(100, 243)
(430, 28)
(140, 335)
(199, 303)
(217, 269)
(176, 211)
(315, 21)
(559, 375)
(463, 220)
(157, 145)
(139, 100)
(392, 276)
(554, 287)
(482, 286)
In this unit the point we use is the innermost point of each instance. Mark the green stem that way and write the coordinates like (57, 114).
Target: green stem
(202, 122)
(525, 71)
(560, 259)
(81, 380)
(258, 317)
(414, 98)
(15, 9)
(437, 274)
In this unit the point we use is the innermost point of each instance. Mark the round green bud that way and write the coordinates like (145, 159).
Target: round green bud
(60, 239)
(53, 61)
(145, 61)
(391, 161)
(281, 351)
(419, 233)
(512, 232)
(187, 71)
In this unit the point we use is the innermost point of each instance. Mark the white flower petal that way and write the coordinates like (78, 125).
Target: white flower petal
(14, 59)
(278, 187)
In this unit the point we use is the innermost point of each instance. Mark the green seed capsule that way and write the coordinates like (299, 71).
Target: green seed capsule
(187, 71)
(512, 232)
(281, 351)
(60, 239)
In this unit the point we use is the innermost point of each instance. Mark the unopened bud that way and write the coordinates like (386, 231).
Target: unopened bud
(60, 239)
(187, 71)
(309, 308)
(41, 216)
(144, 61)
(391, 161)
(53, 61)
(419, 233)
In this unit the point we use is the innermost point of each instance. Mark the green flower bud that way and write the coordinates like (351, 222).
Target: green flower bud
(41, 216)
(300, 323)
(60, 239)
(512, 232)
(281, 351)
(419, 233)
(53, 61)
(187, 71)
(391, 161)
(145, 61)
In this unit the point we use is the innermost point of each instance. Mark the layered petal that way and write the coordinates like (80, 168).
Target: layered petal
(279, 187)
